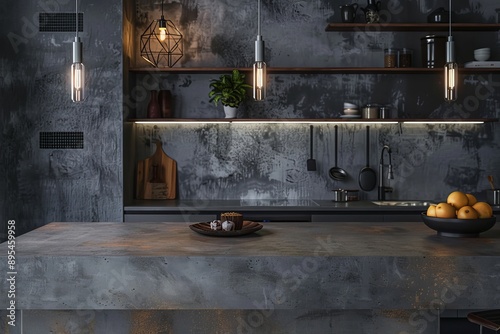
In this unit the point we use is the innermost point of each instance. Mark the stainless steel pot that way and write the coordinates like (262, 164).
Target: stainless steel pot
(339, 195)
(370, 111)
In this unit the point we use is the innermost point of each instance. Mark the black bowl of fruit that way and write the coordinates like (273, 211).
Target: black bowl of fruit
(469, 220)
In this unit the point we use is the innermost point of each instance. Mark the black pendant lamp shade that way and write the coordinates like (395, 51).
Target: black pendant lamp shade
(161, 43)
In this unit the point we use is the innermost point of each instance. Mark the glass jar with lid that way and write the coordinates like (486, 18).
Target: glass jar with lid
(391, 57)
(405, 57)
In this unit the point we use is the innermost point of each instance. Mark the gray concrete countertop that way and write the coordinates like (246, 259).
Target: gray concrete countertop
(287, 266)
(275, 239)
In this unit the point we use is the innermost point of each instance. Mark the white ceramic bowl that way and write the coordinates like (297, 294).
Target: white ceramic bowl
(351, 111)
(482, 54)
(481, 57)
(350, 106)
(483, 50)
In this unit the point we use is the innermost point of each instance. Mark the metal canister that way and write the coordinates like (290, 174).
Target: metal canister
(370, 111)
(339, 195)
(385, 111)
(433, 51)
(493, 196)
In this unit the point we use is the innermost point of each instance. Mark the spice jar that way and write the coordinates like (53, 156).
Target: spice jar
(405, 57)
(384, 111)
(391, 58)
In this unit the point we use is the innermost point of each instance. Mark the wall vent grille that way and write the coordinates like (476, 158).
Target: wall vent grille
(61, 140)
(59, 22)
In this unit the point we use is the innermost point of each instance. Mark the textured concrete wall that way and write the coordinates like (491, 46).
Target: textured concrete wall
(269, 161)
(43, 185)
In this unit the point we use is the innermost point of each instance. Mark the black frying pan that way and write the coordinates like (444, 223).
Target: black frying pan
(367, 176)
(336, 172)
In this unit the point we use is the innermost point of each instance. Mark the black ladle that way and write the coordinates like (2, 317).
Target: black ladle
(367, 176)
(336, 172)
(311, 163)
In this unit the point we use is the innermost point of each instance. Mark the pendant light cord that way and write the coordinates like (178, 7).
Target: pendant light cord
(162, 7)
(450, 18)
(76, 18)
(76, 1)
(258, 19)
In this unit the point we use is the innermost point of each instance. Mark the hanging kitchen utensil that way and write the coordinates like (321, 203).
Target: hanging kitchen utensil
(367, 176)
(490, 180)
(311, 163)
(336, 172)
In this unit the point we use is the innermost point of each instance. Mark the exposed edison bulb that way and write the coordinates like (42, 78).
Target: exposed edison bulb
(77, 82)
(163, 34)
(259, 80)
(77, 73)
(450, 81)
(162, 26)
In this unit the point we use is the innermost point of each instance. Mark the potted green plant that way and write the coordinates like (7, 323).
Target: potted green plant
(230, 90)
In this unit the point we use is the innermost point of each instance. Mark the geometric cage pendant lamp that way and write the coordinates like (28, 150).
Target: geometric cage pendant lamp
(161, 43)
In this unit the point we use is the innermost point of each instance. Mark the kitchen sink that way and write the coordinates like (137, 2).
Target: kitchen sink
(278, 202)
(402, 203)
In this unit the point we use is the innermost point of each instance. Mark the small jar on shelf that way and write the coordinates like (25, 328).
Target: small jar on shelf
(391, 58)
(405, 57)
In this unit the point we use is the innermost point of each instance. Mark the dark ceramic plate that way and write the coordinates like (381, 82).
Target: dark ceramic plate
(459, 227)
(204, 228)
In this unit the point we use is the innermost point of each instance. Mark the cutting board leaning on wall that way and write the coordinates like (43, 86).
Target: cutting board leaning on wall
(156, 176)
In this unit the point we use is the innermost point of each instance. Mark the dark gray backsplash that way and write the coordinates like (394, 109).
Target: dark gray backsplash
(246, 161)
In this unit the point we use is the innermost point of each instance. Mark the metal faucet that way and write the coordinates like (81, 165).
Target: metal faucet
(381, 188)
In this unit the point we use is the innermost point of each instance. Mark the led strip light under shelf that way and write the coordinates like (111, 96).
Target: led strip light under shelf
(276, 121)
(443, 122)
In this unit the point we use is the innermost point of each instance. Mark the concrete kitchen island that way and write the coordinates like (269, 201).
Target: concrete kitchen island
(286, 278)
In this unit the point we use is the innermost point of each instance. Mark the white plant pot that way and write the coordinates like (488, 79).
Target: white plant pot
(230, 111)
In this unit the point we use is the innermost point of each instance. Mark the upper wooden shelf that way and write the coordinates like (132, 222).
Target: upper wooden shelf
(187, 69)
(311, 70)
(412, 27)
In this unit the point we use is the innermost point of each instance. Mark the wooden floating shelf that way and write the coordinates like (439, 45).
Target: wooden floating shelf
(310, 120)
(379, 27)
(314, 70)
(352, 27)
(187, 69)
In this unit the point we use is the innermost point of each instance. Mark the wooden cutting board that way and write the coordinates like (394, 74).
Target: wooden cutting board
(156, 176)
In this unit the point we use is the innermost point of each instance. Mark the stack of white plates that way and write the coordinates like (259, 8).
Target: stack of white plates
(350, 111)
